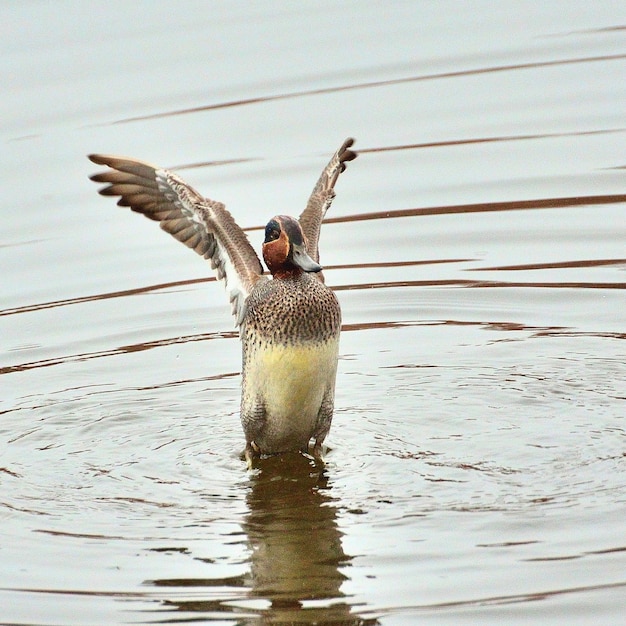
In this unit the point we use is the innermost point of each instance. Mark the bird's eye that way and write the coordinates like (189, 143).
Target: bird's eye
(272, 231)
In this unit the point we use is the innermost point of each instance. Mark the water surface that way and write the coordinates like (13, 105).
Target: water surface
(476, 470)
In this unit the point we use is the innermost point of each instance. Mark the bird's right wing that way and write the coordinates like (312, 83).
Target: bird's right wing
(201, 224)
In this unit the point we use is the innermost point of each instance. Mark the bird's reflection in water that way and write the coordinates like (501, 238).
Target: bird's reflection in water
(296, 556)
(296, 551)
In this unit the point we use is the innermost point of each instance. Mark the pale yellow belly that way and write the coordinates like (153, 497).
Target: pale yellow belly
(291, 382)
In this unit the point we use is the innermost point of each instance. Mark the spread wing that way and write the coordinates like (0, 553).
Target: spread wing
(322, 197)
(201, 224)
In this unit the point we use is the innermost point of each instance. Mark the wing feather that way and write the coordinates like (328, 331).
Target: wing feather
(203, 225)
(322, 197)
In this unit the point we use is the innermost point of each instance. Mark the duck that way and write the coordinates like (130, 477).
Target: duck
(289, 324)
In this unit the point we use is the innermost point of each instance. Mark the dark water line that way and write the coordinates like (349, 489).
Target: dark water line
(590, 31)
(104, 296)
(419, 146)
(114, 390)
(191, 166)
(356, 286)
(484, 207)
(550, 266)
(234, 583)
(29, 308)
(373, 85)
(452, 282)
(497, 139)
(168, 341)
(387, 264)
(509, 599)
(84, 592)
(479, 284)
(480, 207)
(136, 347)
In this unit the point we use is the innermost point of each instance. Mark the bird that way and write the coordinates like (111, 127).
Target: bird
(289, 324)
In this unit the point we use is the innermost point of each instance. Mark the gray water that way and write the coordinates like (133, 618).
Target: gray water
(477, 464)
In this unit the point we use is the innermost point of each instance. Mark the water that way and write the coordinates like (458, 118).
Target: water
(476, 470)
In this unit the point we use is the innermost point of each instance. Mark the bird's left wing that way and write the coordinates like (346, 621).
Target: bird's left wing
(322, 197)
(201, 224)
